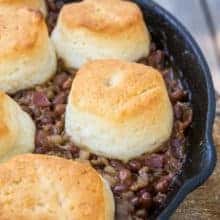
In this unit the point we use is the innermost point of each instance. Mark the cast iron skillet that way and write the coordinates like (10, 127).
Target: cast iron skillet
(194, 72)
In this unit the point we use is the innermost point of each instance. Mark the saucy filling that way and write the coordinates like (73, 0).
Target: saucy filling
(140, 186)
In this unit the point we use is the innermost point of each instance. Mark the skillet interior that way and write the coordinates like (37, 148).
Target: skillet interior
(194, 72)
(192, 69)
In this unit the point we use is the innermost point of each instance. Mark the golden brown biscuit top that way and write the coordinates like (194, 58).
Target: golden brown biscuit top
(117, 90)
(20, 30)
(29, 3)
(47, 187)
(101, 16)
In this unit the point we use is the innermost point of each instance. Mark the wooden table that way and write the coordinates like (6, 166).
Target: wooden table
(202, 18)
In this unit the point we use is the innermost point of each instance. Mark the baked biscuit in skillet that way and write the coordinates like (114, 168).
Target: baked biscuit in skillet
(17, 130)
(27, 55)
(100, 29)
(118, 109)
(38, 187)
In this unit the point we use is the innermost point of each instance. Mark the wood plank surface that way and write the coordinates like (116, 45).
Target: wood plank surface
(191, 14)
